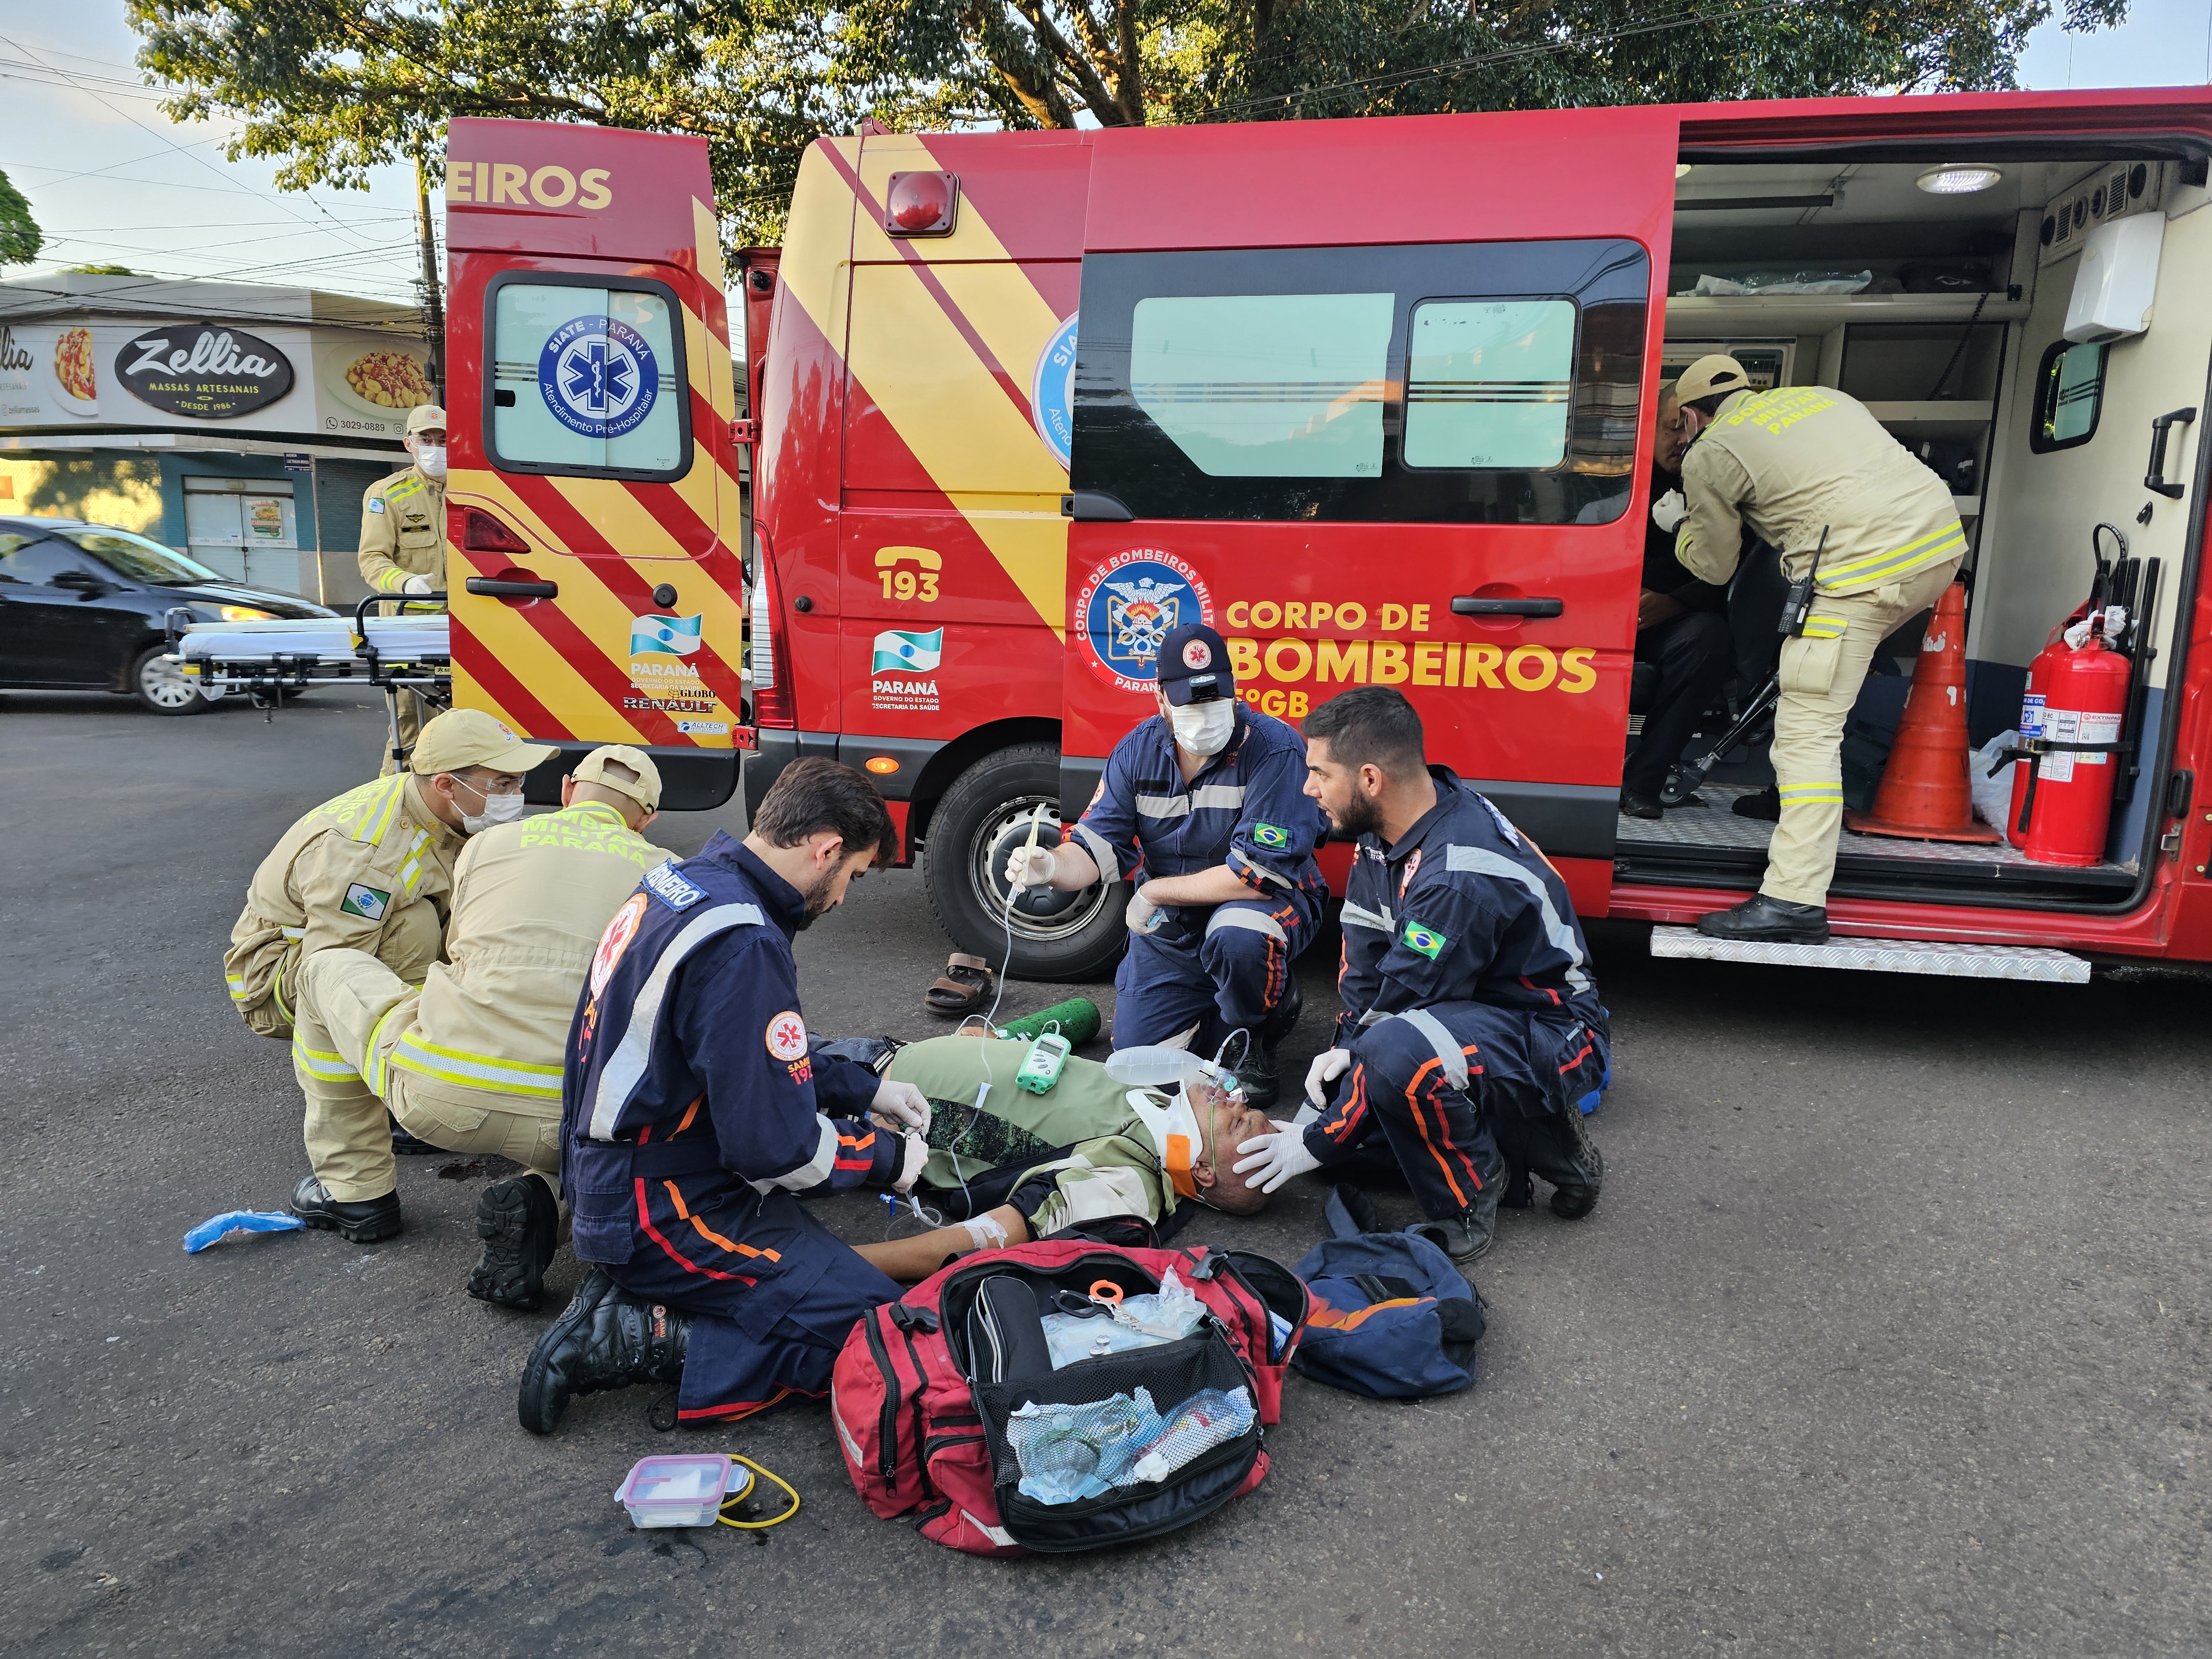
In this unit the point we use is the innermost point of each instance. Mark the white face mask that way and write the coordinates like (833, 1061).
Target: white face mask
(498, 808)
(1203, 728)
(432, 460)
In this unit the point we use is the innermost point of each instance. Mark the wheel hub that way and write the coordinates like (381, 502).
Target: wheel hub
(1039, 913)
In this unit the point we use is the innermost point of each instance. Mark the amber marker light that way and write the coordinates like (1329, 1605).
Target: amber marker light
(880, 764)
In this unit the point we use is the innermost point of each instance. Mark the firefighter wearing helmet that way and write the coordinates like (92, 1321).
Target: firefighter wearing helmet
(1811, 471)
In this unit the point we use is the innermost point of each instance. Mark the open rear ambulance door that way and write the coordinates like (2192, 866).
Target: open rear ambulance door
(1373, 397)
(596, 590)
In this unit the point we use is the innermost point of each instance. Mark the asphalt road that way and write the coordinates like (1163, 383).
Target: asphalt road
(1890, 1333)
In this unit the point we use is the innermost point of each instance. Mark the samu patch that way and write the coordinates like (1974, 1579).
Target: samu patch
(678, 892)
(1270, 835)
(786, 1037)
(1424, 941)
(366, 902)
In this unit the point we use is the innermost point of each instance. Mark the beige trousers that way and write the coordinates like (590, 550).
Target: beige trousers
(1821, 673)
(352, 1013)
(410, 727)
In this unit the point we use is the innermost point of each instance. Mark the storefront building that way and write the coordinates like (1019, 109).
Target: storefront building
(239, 424)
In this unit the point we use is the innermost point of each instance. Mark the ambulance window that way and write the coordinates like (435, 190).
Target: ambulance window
(1266, 385)
(2069, 394)
(586, 378)
(1439, 383)
(1487, 383)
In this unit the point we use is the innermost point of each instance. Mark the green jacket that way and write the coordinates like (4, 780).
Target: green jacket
(1104, 1158)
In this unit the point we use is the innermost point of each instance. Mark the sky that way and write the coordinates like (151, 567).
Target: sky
(111, 182)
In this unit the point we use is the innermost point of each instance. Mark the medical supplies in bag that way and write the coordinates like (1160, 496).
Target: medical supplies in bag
(938, 1397)
(1091, 1329)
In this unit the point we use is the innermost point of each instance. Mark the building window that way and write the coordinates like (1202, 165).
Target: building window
(587, 378)
(2069, 392)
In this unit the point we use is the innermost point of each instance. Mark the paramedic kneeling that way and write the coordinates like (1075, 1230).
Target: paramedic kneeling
(1470, 1019)
(694, 1113)
(1205, 801)
(1877, 534)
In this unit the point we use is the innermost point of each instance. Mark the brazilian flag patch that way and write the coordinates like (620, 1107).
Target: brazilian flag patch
(1270, 835)
(1426, 940)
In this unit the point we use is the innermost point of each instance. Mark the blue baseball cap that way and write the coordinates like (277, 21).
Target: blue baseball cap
(1193, 665)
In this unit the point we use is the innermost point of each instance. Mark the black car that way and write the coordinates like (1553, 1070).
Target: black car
(82, 604)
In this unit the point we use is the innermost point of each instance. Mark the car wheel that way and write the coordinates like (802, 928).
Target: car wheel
(161, 685)
(984, 816)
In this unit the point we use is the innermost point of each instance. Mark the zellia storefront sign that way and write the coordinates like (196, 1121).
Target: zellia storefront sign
(202, 372)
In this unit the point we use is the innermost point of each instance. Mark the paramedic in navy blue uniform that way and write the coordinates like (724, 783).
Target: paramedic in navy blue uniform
(1471, 1025)
(1204, 805)
(694, 1114)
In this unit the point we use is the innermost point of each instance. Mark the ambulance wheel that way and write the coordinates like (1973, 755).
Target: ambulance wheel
(160, 686)
(983, 816)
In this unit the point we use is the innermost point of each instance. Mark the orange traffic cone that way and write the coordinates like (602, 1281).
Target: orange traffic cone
(1925, 794)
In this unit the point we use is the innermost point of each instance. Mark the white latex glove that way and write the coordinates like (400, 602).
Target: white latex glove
(1276, 1157)
(415, 585)
(1143, 916)
(1030, 866)
(1328, 1064)
(904, 1105)
(916, 1155)
(1669, 510)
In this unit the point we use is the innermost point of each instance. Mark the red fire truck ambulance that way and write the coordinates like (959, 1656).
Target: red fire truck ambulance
(1373, 398)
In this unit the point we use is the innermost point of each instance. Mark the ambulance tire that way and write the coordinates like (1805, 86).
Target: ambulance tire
(982, 809)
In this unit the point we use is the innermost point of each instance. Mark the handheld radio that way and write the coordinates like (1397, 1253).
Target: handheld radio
(1797, 604)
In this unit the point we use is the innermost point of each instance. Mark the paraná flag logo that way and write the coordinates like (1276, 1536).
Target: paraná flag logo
(673, 636)
(899, 652)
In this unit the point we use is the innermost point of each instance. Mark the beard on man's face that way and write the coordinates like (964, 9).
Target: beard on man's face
(818, 900)
(1361, 816)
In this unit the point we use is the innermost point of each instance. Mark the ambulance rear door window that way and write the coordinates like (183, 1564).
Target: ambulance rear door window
(1486, 383)
(586, 378)
(2069, 395)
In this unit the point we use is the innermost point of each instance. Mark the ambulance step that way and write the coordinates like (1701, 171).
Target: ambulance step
(1883, 956)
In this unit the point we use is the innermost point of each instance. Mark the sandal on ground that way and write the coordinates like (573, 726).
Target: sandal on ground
(962, 988)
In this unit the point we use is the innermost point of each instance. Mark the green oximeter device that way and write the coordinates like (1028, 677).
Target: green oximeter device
(1040, 1067)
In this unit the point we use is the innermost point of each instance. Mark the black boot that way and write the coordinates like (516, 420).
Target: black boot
(1639, 806)
(1259, 1075)
(1768, 921)
(606, 1338)
(405, 1145)
(520, 1226)
(1765, 803)
(1575, 1187)
(1463, 1237)
(357, 1221)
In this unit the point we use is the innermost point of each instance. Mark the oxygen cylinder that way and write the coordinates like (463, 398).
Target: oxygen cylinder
(2085, 697)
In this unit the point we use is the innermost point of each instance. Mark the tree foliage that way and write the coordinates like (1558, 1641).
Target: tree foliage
(332, 88)
(20, 238)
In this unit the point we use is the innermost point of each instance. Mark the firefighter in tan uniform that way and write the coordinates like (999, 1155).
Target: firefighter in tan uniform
(470, 1060)
(403, 537)
(1798, 463)
(372, 870)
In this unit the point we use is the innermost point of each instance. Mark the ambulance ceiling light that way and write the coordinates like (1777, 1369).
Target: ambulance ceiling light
(1959, 180)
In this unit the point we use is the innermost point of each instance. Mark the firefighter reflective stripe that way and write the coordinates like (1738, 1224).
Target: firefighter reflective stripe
(1483, 861)
(506, 1077)
(374, 1054)
(1448, 1052)
(276, 993)
(392, 581)
(1101, 854)
(1237, 860)
(1227, 796)
(413, 868)
(378, 812)
(1808, 794)
(1358, 915)
(1899, 562)
(293, 932)
(237, 983)
(625, 1067)
(1826, 627)
(812, 1173)
(1231, 915)
(320, 1063)
(1163, 806)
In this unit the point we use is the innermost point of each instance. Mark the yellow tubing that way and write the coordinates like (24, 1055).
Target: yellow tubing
(756, 1526)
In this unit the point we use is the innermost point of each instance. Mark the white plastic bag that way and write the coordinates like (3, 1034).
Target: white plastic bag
(1992, 795)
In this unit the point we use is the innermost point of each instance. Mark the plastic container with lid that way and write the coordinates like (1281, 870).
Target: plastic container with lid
(687, 1490)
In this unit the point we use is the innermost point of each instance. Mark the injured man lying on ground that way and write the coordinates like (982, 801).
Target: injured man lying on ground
(1006, 1165)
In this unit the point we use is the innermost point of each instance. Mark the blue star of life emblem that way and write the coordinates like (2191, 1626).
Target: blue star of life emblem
(598, 376)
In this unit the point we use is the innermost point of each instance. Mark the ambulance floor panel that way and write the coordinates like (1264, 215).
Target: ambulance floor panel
(1712, 833)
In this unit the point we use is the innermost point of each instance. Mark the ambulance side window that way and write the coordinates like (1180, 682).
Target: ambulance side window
(586, 378)
(2069, 394)
(1490, 383)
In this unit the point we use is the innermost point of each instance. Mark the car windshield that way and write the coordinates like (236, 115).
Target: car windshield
(137, 557)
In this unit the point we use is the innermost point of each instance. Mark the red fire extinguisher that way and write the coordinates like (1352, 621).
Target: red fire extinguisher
(2069, 794)
(2030, 720)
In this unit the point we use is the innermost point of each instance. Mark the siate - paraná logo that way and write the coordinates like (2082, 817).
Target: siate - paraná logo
(202, 372)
